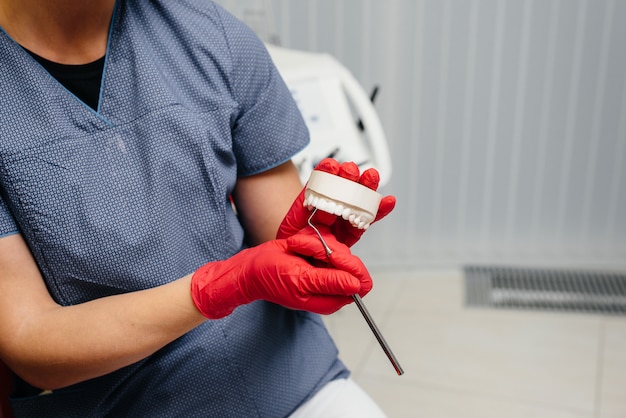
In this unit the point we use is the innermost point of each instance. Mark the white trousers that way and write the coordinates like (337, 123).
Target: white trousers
(341, 398)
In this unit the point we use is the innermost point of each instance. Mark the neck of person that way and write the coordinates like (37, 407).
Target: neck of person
(62, 31)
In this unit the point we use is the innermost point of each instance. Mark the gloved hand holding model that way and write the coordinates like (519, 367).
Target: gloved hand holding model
(298, 215)
(278, 271)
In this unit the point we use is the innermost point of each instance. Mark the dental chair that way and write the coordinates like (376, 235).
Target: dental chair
(6, 386)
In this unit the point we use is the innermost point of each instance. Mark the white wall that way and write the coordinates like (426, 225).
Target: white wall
(506, 122)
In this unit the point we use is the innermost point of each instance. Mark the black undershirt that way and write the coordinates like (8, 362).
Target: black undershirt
(83, 80)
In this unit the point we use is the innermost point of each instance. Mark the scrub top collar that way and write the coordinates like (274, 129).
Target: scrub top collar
(30, 58)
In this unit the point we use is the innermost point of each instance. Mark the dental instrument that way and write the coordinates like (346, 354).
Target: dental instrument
(358, 205)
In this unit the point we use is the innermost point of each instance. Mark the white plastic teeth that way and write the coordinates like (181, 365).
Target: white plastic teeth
(355, 203)
(356, 217)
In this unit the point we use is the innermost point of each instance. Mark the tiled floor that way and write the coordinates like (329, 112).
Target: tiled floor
(470, 362)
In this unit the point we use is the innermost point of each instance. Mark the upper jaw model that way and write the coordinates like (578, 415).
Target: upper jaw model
(352, 201)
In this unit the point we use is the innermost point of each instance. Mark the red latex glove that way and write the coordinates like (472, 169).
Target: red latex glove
(278, 271)
(297, 216)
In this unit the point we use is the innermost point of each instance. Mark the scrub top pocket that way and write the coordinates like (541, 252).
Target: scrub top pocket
(133, 194)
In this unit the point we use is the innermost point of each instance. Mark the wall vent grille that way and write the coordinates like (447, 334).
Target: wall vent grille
(545, 289)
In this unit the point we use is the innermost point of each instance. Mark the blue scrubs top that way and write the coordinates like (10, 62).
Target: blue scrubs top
(136, 194)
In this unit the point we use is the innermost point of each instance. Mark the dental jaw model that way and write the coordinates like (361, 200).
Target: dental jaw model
(352, 201)
(356, 204)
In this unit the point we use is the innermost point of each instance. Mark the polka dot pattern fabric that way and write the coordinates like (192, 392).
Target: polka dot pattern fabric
(136, 194)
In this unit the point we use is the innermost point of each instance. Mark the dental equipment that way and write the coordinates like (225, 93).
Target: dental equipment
(341, 118)
(358, 205)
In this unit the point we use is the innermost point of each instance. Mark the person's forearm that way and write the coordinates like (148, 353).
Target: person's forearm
(263, 199)
(66, 345)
